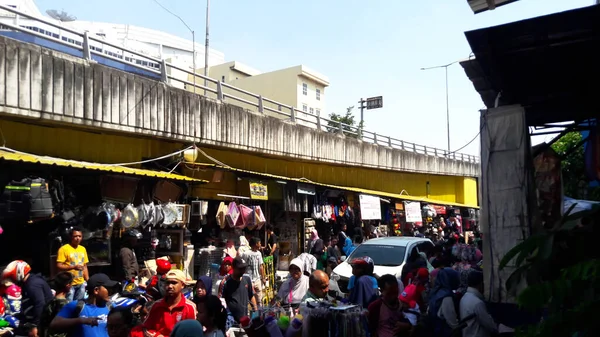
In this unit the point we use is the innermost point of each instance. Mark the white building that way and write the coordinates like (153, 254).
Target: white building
(153, 43)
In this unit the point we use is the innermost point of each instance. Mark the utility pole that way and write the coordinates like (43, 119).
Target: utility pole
(206, 45)
(447, 98)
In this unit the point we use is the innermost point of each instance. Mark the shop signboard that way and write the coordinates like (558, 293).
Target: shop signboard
(439, 210)
(370, 207)
(306, 189)
(258, 191)
(413, 211)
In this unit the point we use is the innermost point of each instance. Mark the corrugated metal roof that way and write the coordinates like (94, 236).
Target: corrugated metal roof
(44, 160)
(539, 63)
(479, 6)
(344, 188)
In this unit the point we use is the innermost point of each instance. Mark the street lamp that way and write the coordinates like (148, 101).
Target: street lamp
(445, 66)
(193, 40)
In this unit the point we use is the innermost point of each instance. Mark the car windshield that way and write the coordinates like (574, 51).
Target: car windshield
(382, 255)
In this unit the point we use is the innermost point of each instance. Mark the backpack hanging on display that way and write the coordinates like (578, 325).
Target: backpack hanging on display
(28, 199)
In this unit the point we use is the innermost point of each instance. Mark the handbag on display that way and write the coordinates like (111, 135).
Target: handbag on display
(260, 217)
(221, 211)
(247, 217)
(233, 214)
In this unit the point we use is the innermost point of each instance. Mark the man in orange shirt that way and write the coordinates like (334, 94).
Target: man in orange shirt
(171, 309)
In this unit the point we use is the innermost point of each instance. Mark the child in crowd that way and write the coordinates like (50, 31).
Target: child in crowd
(61, 284)
(213, 316)
(386, 316)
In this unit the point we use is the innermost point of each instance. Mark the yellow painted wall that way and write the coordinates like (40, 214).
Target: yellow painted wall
(110, 148)
(445, 188)
(280, 85)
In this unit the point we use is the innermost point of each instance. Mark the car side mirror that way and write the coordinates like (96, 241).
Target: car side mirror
(343, 258)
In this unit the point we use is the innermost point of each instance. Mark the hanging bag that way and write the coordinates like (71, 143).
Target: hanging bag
(246, 216)
(260, 217)
(233, 214)
(221, 211)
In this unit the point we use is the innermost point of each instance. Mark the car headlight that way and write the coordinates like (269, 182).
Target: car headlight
(335, 276)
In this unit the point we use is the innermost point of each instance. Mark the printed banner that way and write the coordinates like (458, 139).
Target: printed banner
(258, 191)
(413, 211)
(370, 207)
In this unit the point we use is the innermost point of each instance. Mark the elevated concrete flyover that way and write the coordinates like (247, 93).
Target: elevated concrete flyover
(44, 86)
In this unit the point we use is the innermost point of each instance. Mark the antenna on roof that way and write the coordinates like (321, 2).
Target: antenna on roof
(61, 16)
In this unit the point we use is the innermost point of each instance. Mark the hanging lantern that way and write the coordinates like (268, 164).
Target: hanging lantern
(190, 155)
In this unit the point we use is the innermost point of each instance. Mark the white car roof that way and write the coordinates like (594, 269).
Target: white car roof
(402, 241)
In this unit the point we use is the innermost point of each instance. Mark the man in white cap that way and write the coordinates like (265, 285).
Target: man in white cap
(171, 309)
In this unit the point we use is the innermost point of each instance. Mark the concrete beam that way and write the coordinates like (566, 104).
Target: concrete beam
(44, 84)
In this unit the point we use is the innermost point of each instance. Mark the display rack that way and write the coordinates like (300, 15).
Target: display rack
(309, 225)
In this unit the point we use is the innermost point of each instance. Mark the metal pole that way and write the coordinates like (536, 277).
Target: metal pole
(362, 116)
(447, 99)
(447, 110)
(194, 58)
(206, 44)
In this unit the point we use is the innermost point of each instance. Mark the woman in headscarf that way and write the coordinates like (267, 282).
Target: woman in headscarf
(442, 314)
(364, 287)
(348, 247)
(230, 249)
(188, 328)
(244, 246)
(314, 237)
(292, 291)
(226, 267)
(469, 257)
(318, 249)
(203, 287)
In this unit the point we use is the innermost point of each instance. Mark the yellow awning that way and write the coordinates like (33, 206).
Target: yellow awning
(44, 160)
(345, 188)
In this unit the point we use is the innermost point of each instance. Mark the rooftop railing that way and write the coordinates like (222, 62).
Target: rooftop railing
(88, 45)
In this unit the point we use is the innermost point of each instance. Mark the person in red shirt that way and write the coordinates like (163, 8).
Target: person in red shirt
(171, 309)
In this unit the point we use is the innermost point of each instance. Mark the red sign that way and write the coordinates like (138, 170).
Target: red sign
(440, 210)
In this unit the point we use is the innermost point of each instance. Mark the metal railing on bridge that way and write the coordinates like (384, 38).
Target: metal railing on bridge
(89, 47)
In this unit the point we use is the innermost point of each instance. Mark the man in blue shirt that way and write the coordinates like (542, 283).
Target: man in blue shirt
(87, 319)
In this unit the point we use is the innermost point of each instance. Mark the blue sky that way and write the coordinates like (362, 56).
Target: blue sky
(366, 48)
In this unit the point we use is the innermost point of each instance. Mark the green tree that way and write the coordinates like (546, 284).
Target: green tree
(350, 127)
(562, 270)
(569, 148)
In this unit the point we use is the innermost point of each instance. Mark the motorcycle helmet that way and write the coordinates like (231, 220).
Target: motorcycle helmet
(162, 266)
(13, 293)
(16, 271)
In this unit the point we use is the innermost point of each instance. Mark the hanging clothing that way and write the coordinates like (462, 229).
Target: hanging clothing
(293, 291)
